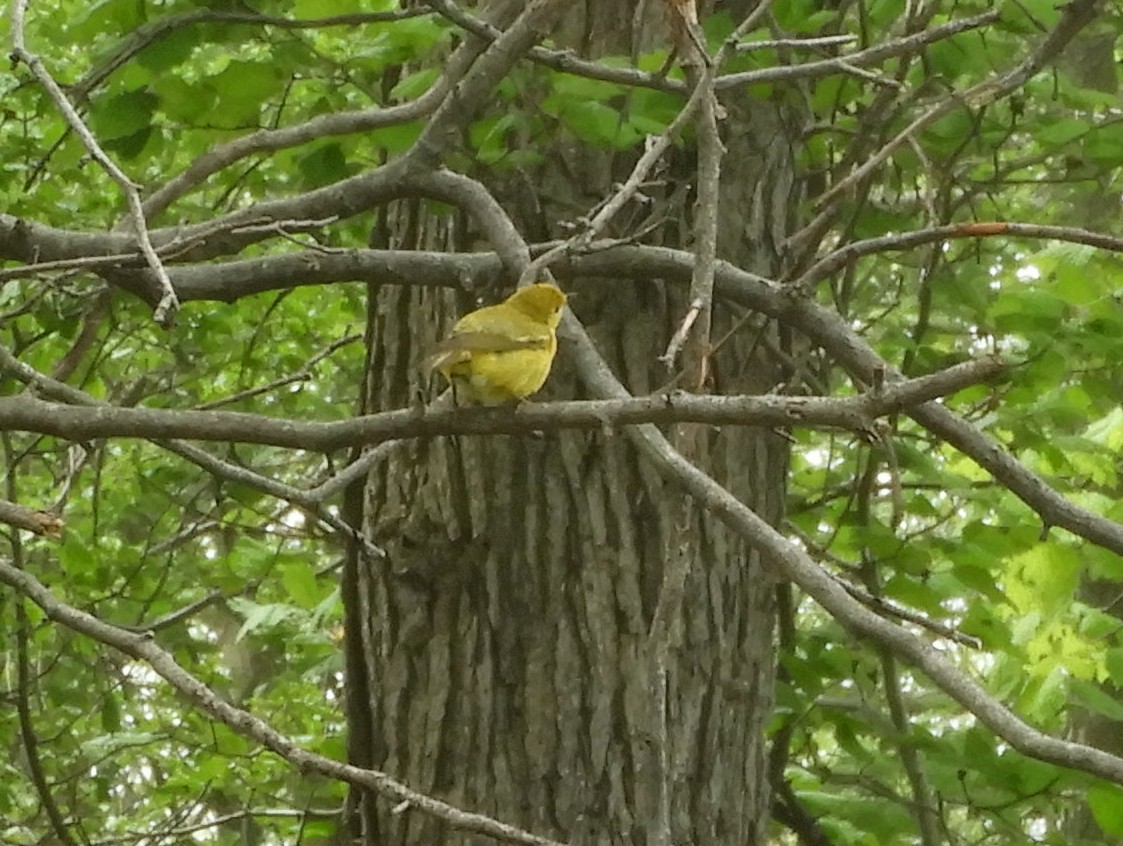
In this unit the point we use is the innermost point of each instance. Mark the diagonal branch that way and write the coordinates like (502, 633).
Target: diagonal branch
(1077, 15)
(143, 648)
(830, 331)
(794, 564)
(321, 126)
(169, 304)
(38, 522)
(477, 86)
(220, 469)
(791, 562)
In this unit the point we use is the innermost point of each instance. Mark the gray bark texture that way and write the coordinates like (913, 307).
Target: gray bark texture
(506, 659)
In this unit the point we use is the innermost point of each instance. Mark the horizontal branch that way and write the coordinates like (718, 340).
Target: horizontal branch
(840, 258)
(829, 330)
(31, 242)
(232, 280)
(857, 414)
(38, 522)
(229, 471)
(143, 648)
(567, 62)
(846, 62)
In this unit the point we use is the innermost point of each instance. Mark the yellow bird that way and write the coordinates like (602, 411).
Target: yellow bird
(502, 353)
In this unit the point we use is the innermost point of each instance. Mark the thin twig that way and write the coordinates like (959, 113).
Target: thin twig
(221, 469)
(143, 648)
(796, 43)
(872, 55)
(1076, 15)
(304, 374)
(166, 309)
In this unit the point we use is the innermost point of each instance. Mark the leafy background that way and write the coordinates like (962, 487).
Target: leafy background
(147, 535)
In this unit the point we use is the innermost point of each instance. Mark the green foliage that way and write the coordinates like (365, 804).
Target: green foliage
(919, 525)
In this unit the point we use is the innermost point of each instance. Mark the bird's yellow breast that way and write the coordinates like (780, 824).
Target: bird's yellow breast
(502, 353)
(495, 378)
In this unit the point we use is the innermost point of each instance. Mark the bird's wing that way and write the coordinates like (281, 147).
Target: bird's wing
(505, 322)
(459, 347)
(488, 330)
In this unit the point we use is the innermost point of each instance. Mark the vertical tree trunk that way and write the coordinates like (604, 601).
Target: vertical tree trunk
(505, 641)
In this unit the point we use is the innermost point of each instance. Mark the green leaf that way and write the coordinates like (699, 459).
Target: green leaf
(130, 146)
(242, 90)
(1107, 430)
(1047, 696)
(1104, 146)
(110, 713)
(581, 89)
(299, 579)
(1044, 577)
(915, 593)
(323, 165)
(1060, 132)
(394, 139)
(105, 745)
(182, 101)
(1106, 803)
(1097, 625)
(1114, 662)
(171, 49)
(118, 16)
(415, 84)
(978, 578)
(1029, 16)
(261, 617)
(593, 122)
(76, 557)
(311, 9)
(124, 115)
(1091, 696)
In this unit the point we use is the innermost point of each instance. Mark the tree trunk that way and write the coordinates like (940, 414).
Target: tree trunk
(505, 651)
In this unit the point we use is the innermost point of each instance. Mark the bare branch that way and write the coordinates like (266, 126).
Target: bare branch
(840, 258)
(887, 608)
(321, 126)
(24, 694)
(220, 469)
(1077, 15)
(38, 522)
(856, 414)
(559, 60)
(166, 309)
(143, 648)
(796, 43)
(863, 58)
(831, 331)
(794, 564)
(476, 88)
(303, 374)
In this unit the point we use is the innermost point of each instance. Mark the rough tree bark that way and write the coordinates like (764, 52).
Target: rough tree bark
(504, 650)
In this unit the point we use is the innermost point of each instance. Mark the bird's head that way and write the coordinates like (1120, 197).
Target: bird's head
(541, 301)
